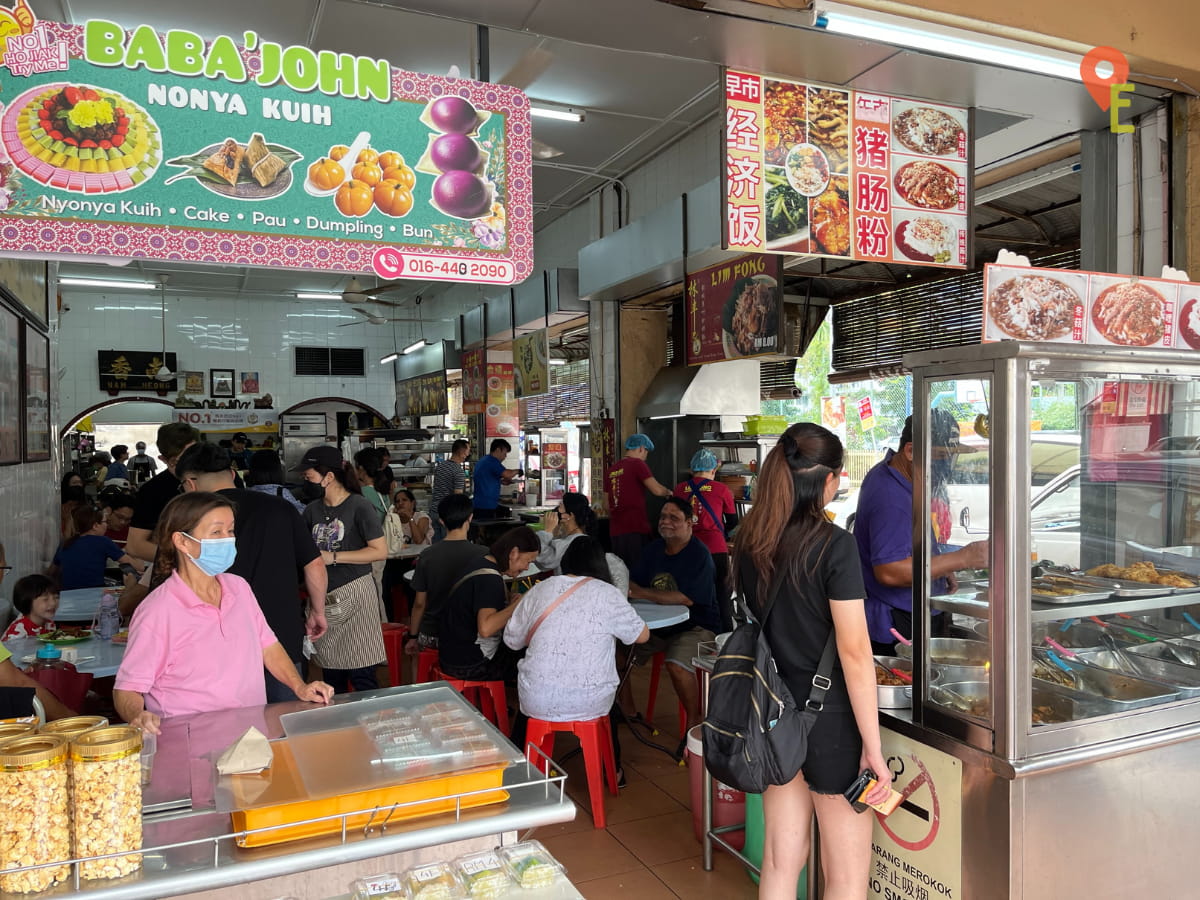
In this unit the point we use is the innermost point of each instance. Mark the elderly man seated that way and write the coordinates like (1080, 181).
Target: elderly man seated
(677, 570)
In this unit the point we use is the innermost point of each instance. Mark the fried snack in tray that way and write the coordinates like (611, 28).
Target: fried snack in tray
(1144, 572)
(885, 677)
(1046, 672)
(1045, 715)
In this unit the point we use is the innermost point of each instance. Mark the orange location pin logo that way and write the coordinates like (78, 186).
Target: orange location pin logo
(1099, 86)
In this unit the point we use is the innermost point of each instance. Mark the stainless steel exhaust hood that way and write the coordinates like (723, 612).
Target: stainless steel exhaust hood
(717, 389)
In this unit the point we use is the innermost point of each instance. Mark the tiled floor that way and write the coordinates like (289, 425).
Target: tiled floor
(648, 850)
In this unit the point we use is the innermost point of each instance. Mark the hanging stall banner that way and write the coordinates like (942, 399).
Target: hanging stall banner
(259, 420)
(425, 395)
(135, 370)
(242, 151)
(833, 415)
(474, 382)
(734, 309)
(866, 415)
(531, 364)
(1069, 307)
(501, 418)
(821, 171)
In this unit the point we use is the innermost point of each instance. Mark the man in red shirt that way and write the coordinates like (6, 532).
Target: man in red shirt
(626, 483)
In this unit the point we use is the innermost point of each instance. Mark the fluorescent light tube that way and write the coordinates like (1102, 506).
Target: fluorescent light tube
(952, 42)
(415, 345)
(111, 285)
(391, 357)
(562, 115)
(558, 362)
(314, 295)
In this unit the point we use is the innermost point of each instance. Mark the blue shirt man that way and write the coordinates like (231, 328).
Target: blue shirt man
(883, 529)
(489, 474)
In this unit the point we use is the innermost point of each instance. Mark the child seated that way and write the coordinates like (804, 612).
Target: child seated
(36, 598)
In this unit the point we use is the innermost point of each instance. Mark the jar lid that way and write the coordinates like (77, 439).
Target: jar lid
(32, 750)
(49, 651)
(116, 740)
(10, 730)
(73, 725)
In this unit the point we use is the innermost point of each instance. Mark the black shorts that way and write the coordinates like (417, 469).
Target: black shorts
(834, 752)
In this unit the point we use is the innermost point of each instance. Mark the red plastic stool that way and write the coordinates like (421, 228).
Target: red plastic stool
(488, 696)
(427, 661)
(595, 738)
(393, 644)
(659, 659)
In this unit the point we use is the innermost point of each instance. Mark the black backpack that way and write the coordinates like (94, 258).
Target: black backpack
(754, 735)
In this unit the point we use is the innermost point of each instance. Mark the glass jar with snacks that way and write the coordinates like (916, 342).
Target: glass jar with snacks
(106, 800)
(33, 808)
(433, 881)
(10, 730)
(73, 726)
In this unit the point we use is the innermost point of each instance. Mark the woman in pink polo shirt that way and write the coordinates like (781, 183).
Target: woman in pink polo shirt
(199, 641)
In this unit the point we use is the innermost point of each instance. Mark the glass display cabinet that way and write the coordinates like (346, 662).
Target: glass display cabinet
(1065, 675)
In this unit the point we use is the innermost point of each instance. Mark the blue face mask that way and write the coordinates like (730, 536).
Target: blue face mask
(216, 554)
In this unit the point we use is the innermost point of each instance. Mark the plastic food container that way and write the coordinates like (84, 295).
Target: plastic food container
(106, 800)
(531, 865)
(388, 886)
(10, 730)
(434, 881)
(34, 800)
(483, 875)
(74, 726)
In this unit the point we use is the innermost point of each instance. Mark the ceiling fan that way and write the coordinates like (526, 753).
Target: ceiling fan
(374, 318)
(527, 69)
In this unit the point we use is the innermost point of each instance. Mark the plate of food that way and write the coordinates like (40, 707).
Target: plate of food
(830, 213)
(1129, 313)
(807, 169)
(928, 185)
(255, 170)
(829, 125)
(750, 318)
(1033, 307)
(554, 460)
(64, 636)
(494, 383)
(928, 131)
(929, 239)
(786, 107)
(1189, 322)
(1146, 573)
(786, 209)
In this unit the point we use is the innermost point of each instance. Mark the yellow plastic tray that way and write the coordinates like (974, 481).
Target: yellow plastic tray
(278, 798)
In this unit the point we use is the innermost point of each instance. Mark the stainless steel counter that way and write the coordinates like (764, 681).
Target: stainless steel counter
(191, 847)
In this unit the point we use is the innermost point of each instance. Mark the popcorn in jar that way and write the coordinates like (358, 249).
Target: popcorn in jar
(106, 800)
(33, 812)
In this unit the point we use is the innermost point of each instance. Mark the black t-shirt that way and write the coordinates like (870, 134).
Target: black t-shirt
(438, 568)
(801, 620)
(347, 526)
(690, 571)
(273, 545)
(152, 498)
(458, 619)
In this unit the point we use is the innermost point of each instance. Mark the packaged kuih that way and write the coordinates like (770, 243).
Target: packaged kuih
(34, 801)
(388, 886)
(434, 881)
(106, 800)
(484, 875)
(531, 864)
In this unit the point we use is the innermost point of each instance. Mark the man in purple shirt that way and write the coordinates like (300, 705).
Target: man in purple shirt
(883, 529)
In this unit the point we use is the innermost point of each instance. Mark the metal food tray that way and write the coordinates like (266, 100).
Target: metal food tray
(1124, 691)
(1142, 589)
(1157, 623)
(967, 603)
(1162, 650)
(1174, 675)
(1056, 600)
(1068, 709)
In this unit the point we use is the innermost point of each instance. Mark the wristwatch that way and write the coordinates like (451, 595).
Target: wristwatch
(335, 557)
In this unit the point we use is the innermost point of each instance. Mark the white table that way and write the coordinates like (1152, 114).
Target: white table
(105, 656)
(656, 615)
(81, 604)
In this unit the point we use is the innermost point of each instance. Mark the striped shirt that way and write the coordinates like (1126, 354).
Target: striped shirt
(448, 477)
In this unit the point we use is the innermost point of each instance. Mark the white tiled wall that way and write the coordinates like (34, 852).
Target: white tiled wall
(243, 334)
(29, 530)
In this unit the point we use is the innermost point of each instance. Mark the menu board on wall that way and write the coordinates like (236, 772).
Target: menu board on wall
(531, 364)
(501, 418)
(425, 395)
(241, 151)
(1070, 307)
(474, 382)
(821, 171)
(735, 309)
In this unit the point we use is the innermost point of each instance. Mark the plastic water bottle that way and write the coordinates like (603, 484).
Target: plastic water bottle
(108, 619)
